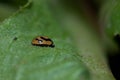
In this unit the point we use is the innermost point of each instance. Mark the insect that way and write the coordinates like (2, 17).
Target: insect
(43, 41)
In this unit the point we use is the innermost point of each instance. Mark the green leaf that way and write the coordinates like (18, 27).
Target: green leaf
(111, 18)
(20, 60)
(7, 7)
(87, 40)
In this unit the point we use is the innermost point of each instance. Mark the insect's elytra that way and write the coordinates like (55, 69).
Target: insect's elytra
(43, 41)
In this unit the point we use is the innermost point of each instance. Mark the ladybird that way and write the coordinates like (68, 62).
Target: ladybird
(43, 41)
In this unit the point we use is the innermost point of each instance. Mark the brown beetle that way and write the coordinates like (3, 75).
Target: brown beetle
(43, 41)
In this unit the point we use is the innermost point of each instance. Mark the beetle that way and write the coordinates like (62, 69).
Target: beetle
(43, 41)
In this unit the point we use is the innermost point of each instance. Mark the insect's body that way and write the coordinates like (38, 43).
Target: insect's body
(42, 41)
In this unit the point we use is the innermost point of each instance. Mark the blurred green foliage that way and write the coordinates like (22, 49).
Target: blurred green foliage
(20, 60)
(78, 54)
(9, 7)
